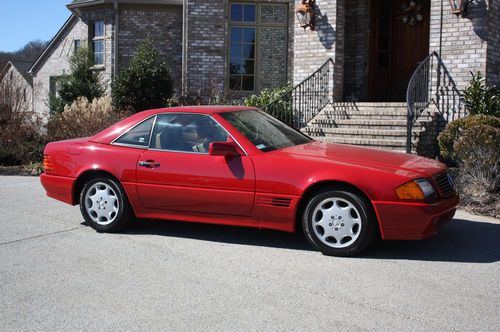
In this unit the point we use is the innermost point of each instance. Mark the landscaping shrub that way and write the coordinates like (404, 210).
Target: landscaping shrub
(145, 83)
(480, 98)
(21, 139)
(478, 152)
(453, 131)
(272, 101)
(478, 180)
(83, 118)
(81, 82)
(189, 99)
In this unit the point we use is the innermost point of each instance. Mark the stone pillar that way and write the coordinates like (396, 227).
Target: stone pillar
(461, 41)
(313, 48)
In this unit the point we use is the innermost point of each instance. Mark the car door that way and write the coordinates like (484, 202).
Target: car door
(177, 173)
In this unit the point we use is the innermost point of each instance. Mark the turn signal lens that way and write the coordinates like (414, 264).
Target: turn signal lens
(420, 189)
(410, 190)
(47, 164)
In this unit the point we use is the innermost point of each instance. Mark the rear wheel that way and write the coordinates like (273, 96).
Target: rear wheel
(105, 206)
(339, 222)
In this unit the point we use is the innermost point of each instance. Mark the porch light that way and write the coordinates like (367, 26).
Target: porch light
(458, 6)
(306, 14)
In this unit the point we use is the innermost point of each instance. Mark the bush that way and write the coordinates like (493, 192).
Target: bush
(83, 118)
(480, 98)
(272, 101)
(145, 83)
(21, 139)
(81, 82)
(454, 130)
(184, 100)
(478, 150)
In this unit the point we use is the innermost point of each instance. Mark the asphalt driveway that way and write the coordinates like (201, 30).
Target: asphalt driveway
(56, 273)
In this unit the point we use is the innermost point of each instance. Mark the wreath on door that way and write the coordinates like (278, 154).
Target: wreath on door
(412, 12)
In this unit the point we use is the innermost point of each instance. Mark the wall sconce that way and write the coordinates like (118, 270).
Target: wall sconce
(305, 13)
(458, 6)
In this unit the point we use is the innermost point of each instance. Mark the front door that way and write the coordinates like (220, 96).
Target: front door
(399, 40)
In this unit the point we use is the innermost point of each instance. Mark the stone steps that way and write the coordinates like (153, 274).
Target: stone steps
(363, 123)
(374, 125)
(394, 134)
(386, 144)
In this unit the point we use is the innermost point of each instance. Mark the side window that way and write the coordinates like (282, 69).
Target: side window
(138, 135)
(186, 133)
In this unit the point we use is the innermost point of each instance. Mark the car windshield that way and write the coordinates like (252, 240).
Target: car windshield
(264, 131)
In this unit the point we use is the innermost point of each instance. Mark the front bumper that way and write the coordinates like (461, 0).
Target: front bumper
(58, 187)
(414, 221)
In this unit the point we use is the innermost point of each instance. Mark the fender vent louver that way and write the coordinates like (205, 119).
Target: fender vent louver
(275, 201)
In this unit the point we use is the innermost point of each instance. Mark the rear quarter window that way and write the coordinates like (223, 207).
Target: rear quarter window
(138, 135)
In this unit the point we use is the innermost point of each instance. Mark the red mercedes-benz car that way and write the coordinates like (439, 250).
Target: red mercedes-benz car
(240, 166)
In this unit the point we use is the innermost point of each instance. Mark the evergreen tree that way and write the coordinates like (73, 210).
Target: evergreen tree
(81, 82)
(145, 83)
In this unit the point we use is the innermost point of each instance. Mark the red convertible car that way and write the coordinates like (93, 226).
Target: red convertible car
(240, 166)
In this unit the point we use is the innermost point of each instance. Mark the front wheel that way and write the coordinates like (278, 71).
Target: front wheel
(339, 222)
(105, 206)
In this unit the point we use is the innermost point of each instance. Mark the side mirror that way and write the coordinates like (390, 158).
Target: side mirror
(226, 149)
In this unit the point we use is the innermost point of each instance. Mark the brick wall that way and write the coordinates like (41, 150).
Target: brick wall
(356, 50)
(206, 45)
(163, 24)
(461, 41)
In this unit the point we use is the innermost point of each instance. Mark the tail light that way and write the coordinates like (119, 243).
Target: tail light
(47, 164)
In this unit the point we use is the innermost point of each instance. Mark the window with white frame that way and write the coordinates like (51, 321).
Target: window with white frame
(98, 42)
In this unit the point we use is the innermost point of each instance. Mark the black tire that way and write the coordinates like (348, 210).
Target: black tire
(353, 238)
(119, 213)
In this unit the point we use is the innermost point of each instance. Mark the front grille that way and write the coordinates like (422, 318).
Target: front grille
(445, 187)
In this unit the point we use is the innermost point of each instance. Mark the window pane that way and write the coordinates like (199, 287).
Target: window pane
(247, 83)
(235, 82)
(236, 12)
(235, 51)
(248, 67)
(248, 51)
(98, 29)
(249, 35)
(186, 133)
(235, 66)
(98, 46)
(249, 13)
(139, 135)
(236, 34)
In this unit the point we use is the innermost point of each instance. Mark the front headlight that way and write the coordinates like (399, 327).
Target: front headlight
(420, 189)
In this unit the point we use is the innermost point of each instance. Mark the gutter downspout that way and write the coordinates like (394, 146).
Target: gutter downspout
(184, 46)
(115, 41)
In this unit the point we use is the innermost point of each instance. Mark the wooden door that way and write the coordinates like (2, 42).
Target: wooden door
(399, 40)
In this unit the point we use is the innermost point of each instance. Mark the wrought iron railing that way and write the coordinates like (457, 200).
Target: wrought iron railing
(304, 101)
(432, 85)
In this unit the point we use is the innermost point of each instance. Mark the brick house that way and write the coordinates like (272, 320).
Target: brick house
(241, 47)
(16, 87)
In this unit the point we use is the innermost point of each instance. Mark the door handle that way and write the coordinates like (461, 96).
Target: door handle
(149, 164)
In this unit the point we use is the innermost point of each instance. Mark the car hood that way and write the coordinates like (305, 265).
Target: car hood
(374, 158)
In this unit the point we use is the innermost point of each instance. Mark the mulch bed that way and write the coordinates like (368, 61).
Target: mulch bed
(18, 170)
